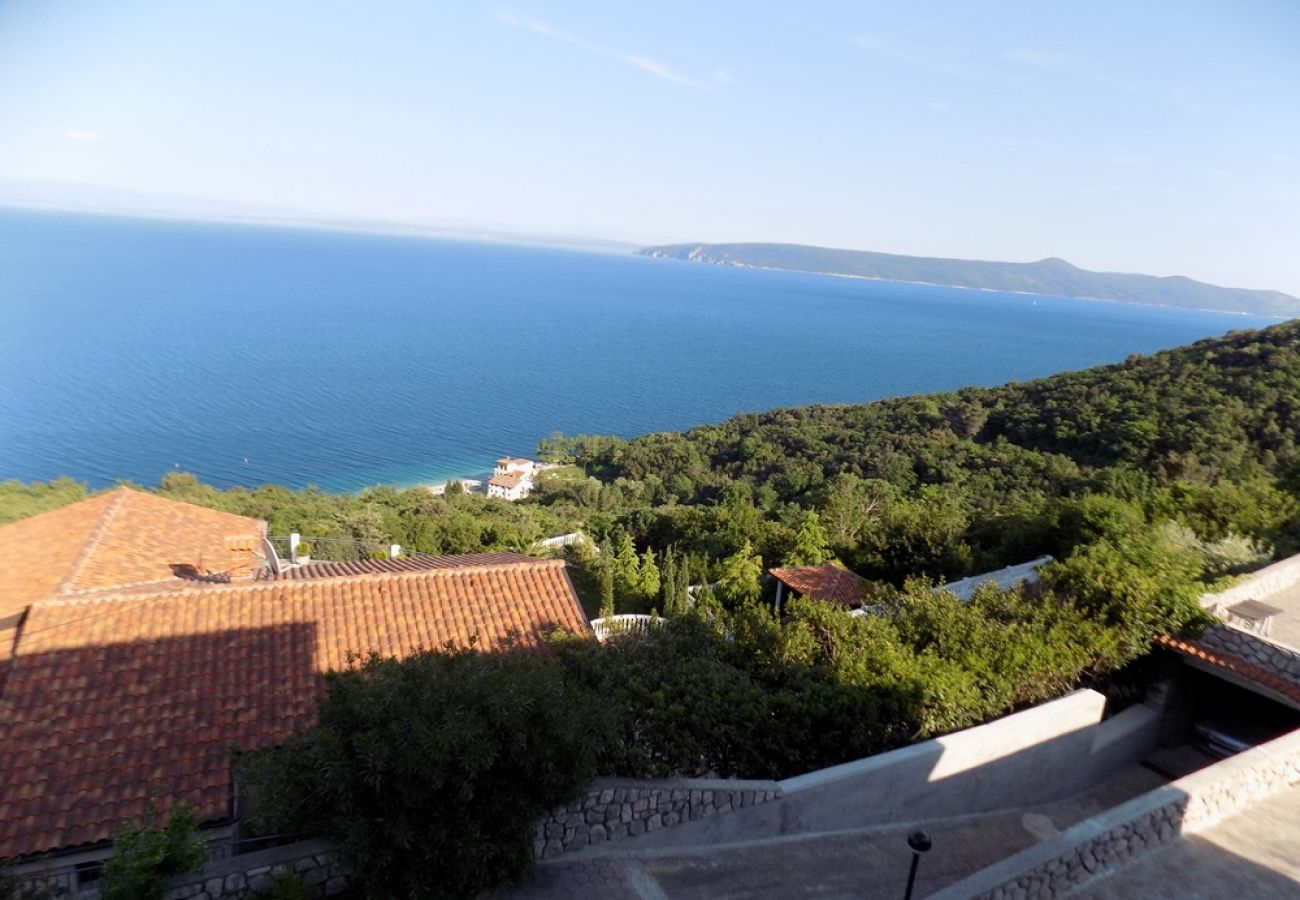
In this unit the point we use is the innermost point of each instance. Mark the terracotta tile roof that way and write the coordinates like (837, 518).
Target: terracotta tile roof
(1231, 663)
(36, 554)
(824, 582)
(121, 537)
(115, 699)
(505, 481)
(513, 460)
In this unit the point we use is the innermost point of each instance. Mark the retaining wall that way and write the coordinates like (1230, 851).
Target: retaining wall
(1277, 658)
(250, 874)
(1100, 846)
(1042, 754)
(615, 809)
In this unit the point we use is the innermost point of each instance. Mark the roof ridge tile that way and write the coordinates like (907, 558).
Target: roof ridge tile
(96, 536)
(185, 588)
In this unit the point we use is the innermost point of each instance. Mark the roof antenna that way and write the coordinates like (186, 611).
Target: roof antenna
(272, 558)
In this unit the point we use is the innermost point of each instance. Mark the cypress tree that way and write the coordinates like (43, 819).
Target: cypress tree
(627, 566)
(650, 581)
(606, 592)
(672, 601)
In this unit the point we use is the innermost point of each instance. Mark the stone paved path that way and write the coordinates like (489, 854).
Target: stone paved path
(865, 864)
(1254, 855)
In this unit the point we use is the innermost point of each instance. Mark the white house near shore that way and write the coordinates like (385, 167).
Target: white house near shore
(512, 465)
(512, 478)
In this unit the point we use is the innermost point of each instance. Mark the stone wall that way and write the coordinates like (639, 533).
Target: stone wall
(240, 877)
(1101, 846)
(1276, 658)
(616, 809)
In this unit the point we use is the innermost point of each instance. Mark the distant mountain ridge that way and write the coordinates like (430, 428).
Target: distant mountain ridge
(1050, 276)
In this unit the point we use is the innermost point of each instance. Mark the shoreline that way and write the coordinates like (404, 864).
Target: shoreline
(438, 488)
(964, 287)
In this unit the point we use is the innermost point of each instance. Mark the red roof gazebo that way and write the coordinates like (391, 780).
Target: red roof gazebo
(821, 582)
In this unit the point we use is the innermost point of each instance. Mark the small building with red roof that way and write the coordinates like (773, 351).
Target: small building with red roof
(826, 581)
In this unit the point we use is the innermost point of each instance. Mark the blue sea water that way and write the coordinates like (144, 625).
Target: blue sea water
(131, 347)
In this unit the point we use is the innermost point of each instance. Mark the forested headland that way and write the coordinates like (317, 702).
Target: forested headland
(1052, 276)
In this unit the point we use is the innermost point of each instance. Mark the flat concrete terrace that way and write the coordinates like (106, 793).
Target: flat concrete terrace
(1276, 586)
(1253, 854)
(1286, 624)
(866, 863)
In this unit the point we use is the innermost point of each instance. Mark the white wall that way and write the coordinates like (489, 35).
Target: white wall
(1036, 756)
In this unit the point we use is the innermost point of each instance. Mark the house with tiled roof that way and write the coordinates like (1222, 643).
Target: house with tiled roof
(515, 465)
(512, 479)
(509, 487)
(146, 638)
(821, 582)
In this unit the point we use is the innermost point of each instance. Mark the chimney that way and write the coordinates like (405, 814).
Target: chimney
(243, 559)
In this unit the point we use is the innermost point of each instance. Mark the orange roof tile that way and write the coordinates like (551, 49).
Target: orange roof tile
(118, 538)
(116, 699)
(823, 582)
(36, 554)
(1245, 668)
(505, 481)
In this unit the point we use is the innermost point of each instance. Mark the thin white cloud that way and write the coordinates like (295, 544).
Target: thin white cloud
(1025, 143)
(1128, 158)
(83, 135)
(1097, 72)
(945, 60)
(1045, 59)
(645, 64)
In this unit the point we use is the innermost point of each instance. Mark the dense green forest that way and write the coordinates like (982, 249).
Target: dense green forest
(1046, 276)
(1198, 442)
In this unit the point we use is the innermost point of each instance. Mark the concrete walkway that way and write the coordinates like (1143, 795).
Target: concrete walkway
(1255, 855)
(860, 864)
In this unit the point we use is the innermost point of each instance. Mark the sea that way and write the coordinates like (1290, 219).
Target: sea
(131, 347)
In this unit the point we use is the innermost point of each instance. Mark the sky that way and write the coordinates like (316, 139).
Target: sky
(1158, 137)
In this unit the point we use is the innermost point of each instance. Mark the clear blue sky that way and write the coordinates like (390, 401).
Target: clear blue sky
(1136, 136)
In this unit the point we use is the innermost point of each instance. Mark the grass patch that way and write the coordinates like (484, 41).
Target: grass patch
(563, 474)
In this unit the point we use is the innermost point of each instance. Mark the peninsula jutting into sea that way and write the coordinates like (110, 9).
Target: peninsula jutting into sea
(1052, 276)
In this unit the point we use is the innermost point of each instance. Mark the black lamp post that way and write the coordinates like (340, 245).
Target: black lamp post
(919, 842)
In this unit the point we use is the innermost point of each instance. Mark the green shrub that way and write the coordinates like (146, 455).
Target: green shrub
(304, 549)
(287, 886)
(742, 695)
(1229, 555)
(145, 858)
(429, 773)
(1135, 587)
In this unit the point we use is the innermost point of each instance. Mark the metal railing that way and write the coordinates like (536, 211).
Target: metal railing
(331, 549)
(612, 626)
